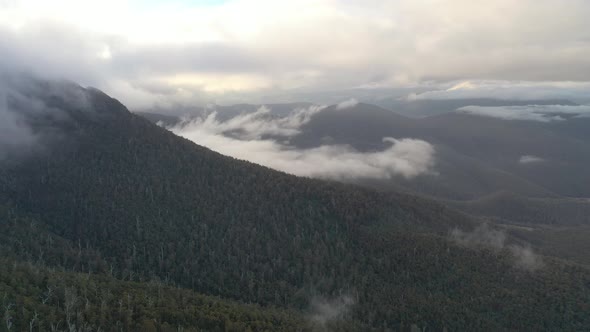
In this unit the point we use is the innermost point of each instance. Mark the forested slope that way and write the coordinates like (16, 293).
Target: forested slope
(132, 201)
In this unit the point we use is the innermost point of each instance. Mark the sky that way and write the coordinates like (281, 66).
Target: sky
(155, 52)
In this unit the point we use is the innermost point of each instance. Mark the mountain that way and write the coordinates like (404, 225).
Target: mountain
(527, 210)
(476, 156)
(478, 160)
(362, 126)
(163, 119)
(116, 211)
(169, 117)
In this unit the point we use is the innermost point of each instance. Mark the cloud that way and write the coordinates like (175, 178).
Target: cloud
(255, 125)
(14, 134)
(484, 236)
(324, 311)
(540, 113)
(526, 258)
(508, 90)
(530, 159)
(27, 123)
(248, 137)
(347, 104)
(238, 50)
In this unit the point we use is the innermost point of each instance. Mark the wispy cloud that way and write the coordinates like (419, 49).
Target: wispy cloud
(257, 136)
(23, 102)
(530, 159)
(508, 90)
(487, 237)
(347, 104)
(324, 310)
(540, 113)
(14, 134)
(257, 124)
(237, 49)
(526, 258)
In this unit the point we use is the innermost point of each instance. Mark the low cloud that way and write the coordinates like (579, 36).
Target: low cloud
(324, 311)
(526, 258)
(485, 237)
(27, 123)
(247, 137)
(14, 134)
(508, 90)
(529, 159)
(256, 124)
(347, 104)
(539, 113)
(482, 236)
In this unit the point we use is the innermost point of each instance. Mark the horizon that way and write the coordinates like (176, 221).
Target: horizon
(161, 53)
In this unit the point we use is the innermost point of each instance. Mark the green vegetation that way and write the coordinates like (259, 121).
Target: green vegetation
(525, 210)
(45, 300)
(569, 243)
(125, 208)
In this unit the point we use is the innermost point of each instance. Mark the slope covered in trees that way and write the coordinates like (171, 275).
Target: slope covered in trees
(116, 197)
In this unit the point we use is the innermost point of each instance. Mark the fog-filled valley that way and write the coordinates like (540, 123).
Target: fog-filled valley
(325, 165)
(527, 170)
(94, 192)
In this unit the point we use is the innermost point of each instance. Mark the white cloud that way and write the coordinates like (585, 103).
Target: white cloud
(486, 237)
(14, 135)
(259, 47)
(540, 113)
(511, 90)
(405, 157)
(529, 159)
(254, 125)
(325, 310)
(347, 104)
(22, 102)
(526, 258)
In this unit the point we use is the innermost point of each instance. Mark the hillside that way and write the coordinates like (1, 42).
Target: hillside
(525, 210)
(131, 200)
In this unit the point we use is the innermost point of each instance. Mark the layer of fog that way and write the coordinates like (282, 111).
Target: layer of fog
(508, 90)
(22, 103)
(496, 240)
(324, 310)
(540, 113)
(14, 135)
(262, 138)
(347, 104)
(530, 159)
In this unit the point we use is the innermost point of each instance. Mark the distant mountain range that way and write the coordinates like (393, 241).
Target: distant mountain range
(120, 224)
(476, 156)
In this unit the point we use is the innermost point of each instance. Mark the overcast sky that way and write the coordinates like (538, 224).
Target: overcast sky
(146, 52)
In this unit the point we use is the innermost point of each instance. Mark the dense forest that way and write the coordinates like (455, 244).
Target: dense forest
(119, 224)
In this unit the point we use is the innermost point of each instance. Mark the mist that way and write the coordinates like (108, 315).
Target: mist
(324, 310)
(262, 138)
(14, 134)
(27, 123)
(485, 237)
(530, 159)
(507, 90)
(347, 104)
(539, 113)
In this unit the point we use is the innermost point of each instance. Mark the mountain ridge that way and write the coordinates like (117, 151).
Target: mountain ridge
(152, 205)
